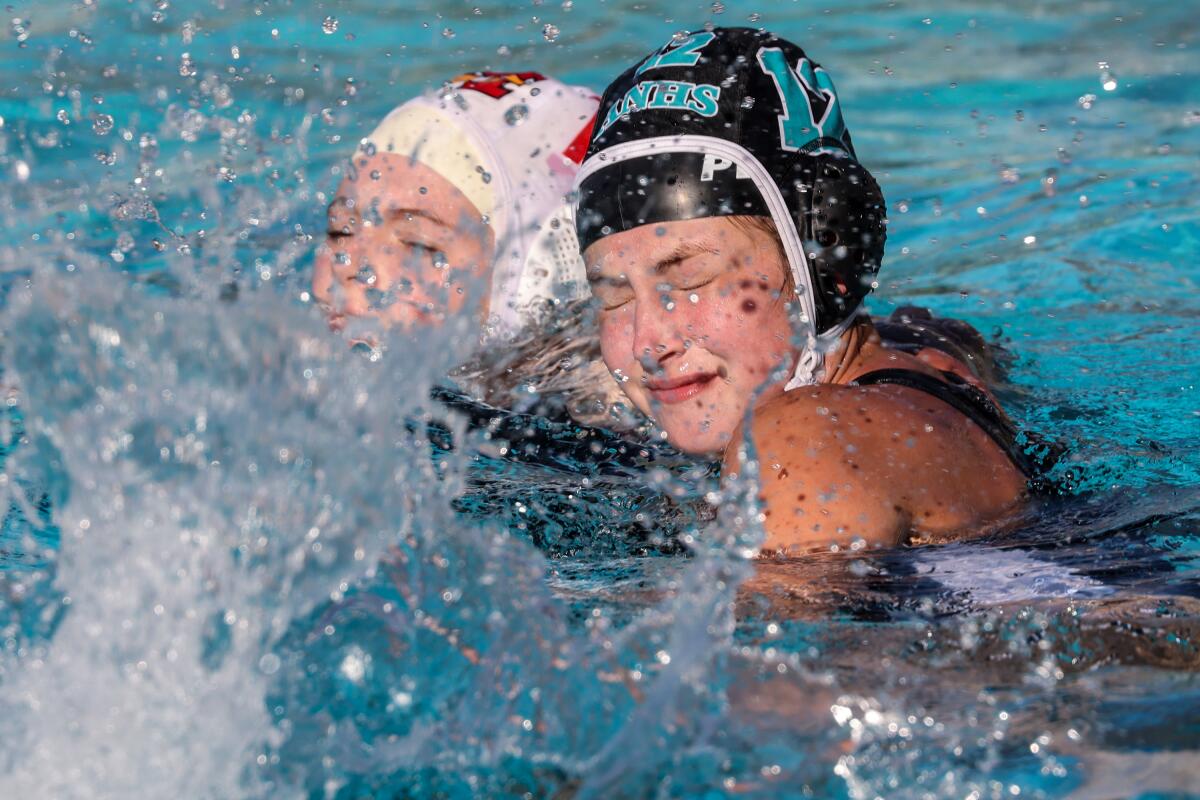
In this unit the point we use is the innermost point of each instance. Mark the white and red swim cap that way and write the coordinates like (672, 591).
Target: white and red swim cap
(512, 144)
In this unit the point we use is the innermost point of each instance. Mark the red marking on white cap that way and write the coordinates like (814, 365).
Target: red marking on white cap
(577, 149)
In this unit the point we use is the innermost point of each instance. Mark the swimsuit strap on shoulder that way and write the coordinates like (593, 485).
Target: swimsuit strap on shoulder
(969, 401)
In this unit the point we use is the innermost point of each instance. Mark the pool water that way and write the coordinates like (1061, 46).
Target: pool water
(239, 559)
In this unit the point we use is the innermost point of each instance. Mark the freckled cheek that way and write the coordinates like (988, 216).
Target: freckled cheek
(322, 280)
(616, 339)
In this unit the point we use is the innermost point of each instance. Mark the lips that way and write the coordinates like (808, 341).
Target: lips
(676, 390)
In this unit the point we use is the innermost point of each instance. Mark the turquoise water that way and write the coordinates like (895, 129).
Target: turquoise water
(231, 566)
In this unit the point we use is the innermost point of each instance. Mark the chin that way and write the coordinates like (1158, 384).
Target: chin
(706, 443)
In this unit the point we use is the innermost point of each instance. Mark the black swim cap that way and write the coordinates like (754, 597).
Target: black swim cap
(736, 121)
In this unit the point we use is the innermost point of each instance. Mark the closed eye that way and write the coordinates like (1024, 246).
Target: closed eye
(422, 251)
(697, 285)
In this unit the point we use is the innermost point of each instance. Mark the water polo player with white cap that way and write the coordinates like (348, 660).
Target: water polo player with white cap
(460, 188)
(730, 234)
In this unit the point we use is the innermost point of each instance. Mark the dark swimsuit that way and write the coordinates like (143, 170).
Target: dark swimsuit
(1028, 453)
(911, 329)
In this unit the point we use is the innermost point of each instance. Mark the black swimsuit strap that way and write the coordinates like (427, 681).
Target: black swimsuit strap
(966, 399)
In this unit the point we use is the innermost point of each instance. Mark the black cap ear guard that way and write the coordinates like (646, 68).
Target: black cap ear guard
(841, 219)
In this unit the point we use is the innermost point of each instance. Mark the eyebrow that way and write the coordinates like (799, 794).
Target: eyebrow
(394, 212)
(682, 252)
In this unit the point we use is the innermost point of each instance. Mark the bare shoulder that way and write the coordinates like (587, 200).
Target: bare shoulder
(877, 464)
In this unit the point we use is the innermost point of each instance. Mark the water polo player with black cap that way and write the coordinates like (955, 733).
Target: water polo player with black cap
(730, 236)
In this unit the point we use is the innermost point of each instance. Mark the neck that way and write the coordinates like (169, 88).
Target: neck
(845, 361)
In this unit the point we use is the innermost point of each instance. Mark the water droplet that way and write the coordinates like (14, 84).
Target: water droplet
(517, 114)
(718, 8)
(1108, 80)
(354, 665)
(148, 146)
(187, 68)
(21, 170)
(1087, 101)
(550, 32)
(447, 33)
(63, 116)
(330, 25)
(367, 276)
(102, 124)
(379, 300)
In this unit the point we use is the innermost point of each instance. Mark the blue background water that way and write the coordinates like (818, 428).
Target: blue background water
(192, 635)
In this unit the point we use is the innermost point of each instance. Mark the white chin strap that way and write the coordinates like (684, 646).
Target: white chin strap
(810, 366)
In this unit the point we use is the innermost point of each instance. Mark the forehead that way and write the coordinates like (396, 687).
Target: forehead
(648, 246)
(391, 180)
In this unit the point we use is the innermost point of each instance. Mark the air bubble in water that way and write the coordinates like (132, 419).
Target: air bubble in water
(330, 25)
(550, 32)
(102, 124)
(517, 114)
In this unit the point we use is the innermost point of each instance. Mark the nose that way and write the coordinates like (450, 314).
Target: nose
(334, 281)
(655, 333)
